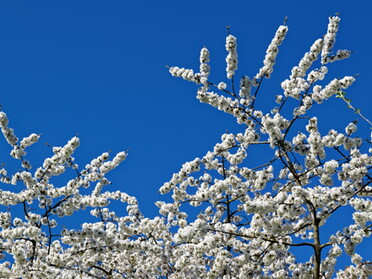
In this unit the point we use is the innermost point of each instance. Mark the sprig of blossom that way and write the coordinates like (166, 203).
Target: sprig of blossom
(330, 38)
(272, 52)
(232, 56)
(7, 132)
(187, 74)
(204, 59)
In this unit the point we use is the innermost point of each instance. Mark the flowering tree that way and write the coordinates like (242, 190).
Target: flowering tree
(251, 221)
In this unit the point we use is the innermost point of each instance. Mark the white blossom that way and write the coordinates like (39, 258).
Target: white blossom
(232, 56)
(330, 37)
(272, 52)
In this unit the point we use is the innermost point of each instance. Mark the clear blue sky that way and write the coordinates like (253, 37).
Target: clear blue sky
(97, 69)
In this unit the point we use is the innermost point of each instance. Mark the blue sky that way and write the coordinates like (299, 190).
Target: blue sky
(98, 69)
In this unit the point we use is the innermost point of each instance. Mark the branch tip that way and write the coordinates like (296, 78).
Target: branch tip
(228, 29)
(285, 20)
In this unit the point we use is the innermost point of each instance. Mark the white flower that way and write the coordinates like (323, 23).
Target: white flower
(221, 86)
(351, 128)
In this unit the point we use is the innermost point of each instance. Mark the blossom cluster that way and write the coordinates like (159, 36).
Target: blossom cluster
(272, 52)
(330, 37)
(232, 57)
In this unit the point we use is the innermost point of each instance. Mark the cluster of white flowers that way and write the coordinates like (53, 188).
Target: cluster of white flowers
(296, 83)
(7, 132)
(272, 52)
(31, 139)
(187, 74)
(107, 166)
(307, 60)
(317, 74)
(330, 37)
(273, 126)
(245, 87)
(332, 88)
(340, 54)
(204, 60)
(18, 148)
(232, 56)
